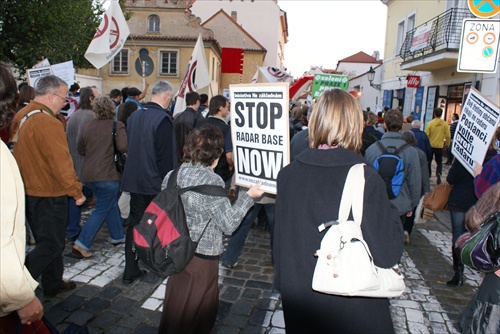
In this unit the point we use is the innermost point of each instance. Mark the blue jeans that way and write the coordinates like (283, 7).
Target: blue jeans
(457, 225)
(106, 209)
(237, 240)
(74, 215)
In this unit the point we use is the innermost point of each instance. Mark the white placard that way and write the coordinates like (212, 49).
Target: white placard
(260, 133)
(35, 74)
(478, 120)
(65, 71)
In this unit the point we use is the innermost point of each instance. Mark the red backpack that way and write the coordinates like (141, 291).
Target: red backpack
(161, 240)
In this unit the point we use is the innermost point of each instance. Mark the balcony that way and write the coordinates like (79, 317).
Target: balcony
(434, 44)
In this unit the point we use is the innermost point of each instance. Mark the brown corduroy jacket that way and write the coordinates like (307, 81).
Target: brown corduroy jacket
(42, 154)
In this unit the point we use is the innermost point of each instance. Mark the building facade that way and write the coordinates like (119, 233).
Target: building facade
(262, 19)
(420, 61)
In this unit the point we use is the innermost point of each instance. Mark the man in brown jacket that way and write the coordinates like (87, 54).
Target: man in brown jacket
(42, 153)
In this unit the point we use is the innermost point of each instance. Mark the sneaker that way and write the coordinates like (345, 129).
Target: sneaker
(80, 252)
(229, 266)
(407, 238)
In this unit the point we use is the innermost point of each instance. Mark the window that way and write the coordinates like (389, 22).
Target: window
(120, 63)
(400, 37)
(154, 23)
(168, 61)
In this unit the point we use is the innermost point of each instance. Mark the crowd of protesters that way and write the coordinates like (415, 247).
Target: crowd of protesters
(62, 155)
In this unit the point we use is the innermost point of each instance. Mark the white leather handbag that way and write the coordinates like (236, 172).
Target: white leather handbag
(345, 265)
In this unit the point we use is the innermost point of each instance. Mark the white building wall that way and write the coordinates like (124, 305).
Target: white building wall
(261, 19)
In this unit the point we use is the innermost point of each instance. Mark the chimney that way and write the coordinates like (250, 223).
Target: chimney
(234, 15)
(376, 55)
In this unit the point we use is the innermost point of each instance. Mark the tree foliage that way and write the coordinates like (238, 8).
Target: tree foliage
(59, 30)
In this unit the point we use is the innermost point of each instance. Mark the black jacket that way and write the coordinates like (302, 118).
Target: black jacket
(308, 194)
(151, 150)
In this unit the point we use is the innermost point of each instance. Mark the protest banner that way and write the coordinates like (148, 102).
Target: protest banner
(478, 120)
(35, 74)
(328, 81)
(260, 133)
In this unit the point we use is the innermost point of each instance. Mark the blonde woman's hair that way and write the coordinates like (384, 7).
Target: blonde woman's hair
(337, 120)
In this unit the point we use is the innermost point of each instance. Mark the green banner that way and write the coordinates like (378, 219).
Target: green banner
(328, 81)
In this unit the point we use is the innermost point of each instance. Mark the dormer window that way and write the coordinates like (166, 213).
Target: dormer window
(153, 23)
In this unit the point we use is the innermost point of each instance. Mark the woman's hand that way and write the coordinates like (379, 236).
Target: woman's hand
(254, 191)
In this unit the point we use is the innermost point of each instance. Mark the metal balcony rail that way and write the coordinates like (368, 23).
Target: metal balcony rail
(444, 33)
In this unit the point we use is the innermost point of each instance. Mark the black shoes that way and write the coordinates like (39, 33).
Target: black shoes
(133, 278)
(438, 177)
(65, 286)
(457, 280)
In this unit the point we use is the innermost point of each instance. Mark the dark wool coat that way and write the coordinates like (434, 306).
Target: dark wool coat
(308, 194)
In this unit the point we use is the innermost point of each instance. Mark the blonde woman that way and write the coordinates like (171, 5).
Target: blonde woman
(309, 193)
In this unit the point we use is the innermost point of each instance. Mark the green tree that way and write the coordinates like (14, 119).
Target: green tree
(59, 30)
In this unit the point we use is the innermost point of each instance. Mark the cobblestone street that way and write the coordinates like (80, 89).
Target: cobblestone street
(248, 303)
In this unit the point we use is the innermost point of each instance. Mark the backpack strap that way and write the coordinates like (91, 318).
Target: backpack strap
(381, 147)
(24, 119)
(401, 148)
(353, 194)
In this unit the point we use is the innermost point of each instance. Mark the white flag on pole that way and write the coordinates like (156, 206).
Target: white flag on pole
(196, 77)
(109, 37)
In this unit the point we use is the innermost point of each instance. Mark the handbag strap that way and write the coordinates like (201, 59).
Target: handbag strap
(353, 194)
(114, 138)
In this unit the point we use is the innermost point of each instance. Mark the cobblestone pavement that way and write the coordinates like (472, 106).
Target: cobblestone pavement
(248, 303)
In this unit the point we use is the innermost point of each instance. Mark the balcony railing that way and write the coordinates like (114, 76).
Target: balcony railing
(444, 34)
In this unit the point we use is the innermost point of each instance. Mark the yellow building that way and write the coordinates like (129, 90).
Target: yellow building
(162, 38)
(421, 49)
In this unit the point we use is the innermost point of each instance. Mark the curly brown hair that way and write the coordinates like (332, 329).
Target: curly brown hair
(103, 108)
(8, 94)
(203, 145)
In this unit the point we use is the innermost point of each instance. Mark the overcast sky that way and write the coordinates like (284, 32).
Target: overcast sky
(323, 32)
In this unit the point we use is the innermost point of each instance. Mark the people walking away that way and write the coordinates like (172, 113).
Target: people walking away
(203, 108)
(42, 153)
(217, 114)
(18, 303)
(192, 296)
(185, 121)
(462, 198)
(100, 175)
(439, 136)
(409, 137)
(409, 194)
(125, 110)
(423, 142)
(453, 128)
(151, 155)
(369, 133)
(74, 129)
(308, 194)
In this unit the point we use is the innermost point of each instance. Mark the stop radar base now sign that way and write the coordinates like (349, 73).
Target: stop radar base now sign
(479, 47)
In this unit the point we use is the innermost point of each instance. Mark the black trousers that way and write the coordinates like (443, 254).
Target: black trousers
(138, 204)
(47, 217)
(437, 153)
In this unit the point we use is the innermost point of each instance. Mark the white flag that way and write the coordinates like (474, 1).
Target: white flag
(109, 37)
(273, 74)
(196, 76)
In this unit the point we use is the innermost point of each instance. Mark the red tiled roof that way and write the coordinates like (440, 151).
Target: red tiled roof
(360, 57)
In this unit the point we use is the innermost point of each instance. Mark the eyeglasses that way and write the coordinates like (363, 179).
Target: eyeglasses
(62, 98)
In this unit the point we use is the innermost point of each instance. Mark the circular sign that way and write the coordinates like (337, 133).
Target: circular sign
(484, 8)
(487, 51)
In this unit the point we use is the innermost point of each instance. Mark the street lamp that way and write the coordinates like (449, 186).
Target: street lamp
(371, 76)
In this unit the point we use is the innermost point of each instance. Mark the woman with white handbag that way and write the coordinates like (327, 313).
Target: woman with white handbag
(309, 195)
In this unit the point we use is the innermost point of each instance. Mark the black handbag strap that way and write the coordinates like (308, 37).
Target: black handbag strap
(115, 151)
